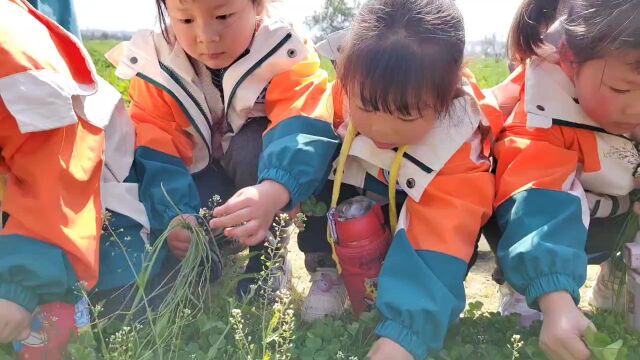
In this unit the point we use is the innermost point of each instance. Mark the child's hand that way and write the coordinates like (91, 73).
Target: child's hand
(384, 349)
(249, 213)
(563, 328)
(179, 239)
(15, 322)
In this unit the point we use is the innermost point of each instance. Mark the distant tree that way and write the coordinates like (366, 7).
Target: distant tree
(491, 47)
(335, 15)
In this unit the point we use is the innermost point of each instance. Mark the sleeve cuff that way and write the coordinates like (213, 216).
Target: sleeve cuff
(404, 337)
(285, 179)
(548, 284)
(20, 295)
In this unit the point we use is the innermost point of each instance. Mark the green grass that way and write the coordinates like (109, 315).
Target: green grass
(97, 49)
(489, 72)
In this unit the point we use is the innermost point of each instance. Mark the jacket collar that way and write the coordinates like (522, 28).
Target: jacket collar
(551, 96)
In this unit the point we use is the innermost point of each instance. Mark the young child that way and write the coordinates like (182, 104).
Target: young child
(402, 76)
(203, 93)
(566, 163)
(69, 85)
(51, 151)
(65, 16)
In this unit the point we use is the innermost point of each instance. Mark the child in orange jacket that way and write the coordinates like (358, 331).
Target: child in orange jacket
(204, 91)
(51, 152)
(403, 89)
(566, 161)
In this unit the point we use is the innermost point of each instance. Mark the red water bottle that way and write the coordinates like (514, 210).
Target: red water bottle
(361, 242)
(52, 327)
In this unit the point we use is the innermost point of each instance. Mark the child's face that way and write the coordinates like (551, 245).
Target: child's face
(214, 32)
(609, 91)
(389, 131)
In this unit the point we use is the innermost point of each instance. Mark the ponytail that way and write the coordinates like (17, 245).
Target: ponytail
(531, 21)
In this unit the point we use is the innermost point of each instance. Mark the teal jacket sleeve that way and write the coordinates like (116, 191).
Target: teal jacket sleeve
(297, 153)
(421, 285)
(420, 294)
(155, 171)
(542, 249)
(33, 272)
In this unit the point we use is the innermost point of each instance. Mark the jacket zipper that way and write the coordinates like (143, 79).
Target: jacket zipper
(198, 105)
(252, 69)
(232, 94)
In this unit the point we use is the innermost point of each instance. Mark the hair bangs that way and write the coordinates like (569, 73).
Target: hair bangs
(398, 78)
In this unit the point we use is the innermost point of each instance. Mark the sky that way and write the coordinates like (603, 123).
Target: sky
(482, 17)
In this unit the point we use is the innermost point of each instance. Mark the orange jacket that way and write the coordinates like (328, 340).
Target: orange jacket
(556, 169)
(450, 192)
(52, 156)
(176, 120)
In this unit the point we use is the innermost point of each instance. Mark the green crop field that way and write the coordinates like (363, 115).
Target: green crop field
(488, 72)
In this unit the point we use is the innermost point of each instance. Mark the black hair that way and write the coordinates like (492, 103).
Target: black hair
(404, 55)
(592, 28)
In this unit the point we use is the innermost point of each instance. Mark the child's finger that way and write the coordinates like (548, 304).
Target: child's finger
(184, 218)
(231, 219)
(4, 333)
(25, 334)
(255, 239)
(553, 351)
(242, 231)
(555, 354)
(180, 255)
(234, 204)
(180, 245)
(577, 350)
(179, 236)
(20, 331)
(180, 250)
(561, 352)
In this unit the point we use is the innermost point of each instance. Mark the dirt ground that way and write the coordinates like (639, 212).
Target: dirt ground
(479, 285)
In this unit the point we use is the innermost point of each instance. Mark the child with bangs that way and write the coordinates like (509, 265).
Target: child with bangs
(404, 95)
(567, 161)
(227, 100)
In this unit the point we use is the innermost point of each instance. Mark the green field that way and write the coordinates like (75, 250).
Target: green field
(97, 49)
(488, 72)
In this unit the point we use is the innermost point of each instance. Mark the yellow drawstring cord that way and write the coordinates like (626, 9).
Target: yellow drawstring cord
(337, 182)
(393, 183)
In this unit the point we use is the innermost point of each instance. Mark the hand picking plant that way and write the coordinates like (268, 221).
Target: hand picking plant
(202, 320)
(156, 334)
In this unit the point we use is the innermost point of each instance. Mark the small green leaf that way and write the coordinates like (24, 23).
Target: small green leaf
(313, 343)
(322, 355)
(601, 346)
(307, 353)
(353, 328)
(320, 209)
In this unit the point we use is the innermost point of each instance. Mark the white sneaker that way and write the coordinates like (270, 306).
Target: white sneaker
(604, 295)
(327, 296)
(512, 302)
